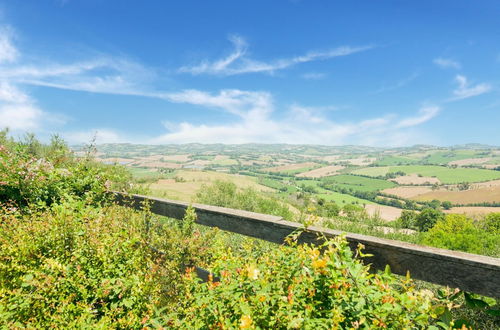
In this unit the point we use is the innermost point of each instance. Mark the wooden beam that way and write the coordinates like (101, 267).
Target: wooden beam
(469, 272)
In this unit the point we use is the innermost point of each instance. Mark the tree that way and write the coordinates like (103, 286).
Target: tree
(407, 219)
(447, 205)
(426, 219)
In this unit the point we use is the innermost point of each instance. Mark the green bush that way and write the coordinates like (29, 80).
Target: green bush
(458, 232)
(227, 194)
(301, 287)
(37, 175)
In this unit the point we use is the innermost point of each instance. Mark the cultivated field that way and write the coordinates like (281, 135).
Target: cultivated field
(415, 179)
(300, 167)
(470, 161)
(358, 183)
(321, 172)
(478, 195)
(407, 192)
(385, 212)
(186, 184)
(444, 174)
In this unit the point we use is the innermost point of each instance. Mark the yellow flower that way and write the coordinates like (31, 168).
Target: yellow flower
(319, 263)
(314, 253)
(253, 272)
(245, 322)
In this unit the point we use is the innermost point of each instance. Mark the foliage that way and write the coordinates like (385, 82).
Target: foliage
(33, 174)
(75, 265)
(458, 232)
(408, 219)
(226, 194)
(302, 287)
(428, 218)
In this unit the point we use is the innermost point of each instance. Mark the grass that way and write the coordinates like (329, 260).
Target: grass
(342, 199)
(224, 162)
(191, 182)
(444, 157)
(396, 160)
(444, 174)
(359, 183)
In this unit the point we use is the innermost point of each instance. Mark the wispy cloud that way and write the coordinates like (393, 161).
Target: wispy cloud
(399, 84)
(424, 114)
(8, 53)
(466, 90)
(447, 63)
(237, 62)
(256, 121)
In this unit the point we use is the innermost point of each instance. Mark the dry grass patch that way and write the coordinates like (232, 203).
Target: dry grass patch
(190, 182)
(177, 158)
(290, 167)
(477, 195)
(407, 192)
(322, 171)
(473, 211)
(387, 213)
(415, 179)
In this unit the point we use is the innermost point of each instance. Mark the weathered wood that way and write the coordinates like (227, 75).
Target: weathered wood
(469, 272)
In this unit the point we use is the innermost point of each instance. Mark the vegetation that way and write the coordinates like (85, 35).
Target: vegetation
(227, 194)
(71, 258)
(445, 174)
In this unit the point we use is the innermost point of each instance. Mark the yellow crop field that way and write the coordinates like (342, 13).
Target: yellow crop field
(479, 195)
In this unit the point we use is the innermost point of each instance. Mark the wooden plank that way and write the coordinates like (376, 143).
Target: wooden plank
(469, 272)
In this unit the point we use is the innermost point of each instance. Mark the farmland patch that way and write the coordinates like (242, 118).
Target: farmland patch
(321, 172)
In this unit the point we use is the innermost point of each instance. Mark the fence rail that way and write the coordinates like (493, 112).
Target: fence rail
(469, 272)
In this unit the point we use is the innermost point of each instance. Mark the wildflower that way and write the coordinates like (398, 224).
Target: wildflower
(319, 263)
(314, 254)
(245, 322)
(253, 272)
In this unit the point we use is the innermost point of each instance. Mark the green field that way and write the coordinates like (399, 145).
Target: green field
(444, 157)
(342, 199)
(299, 170)
(144, 173)
(224, 162)
(358, 183)
(444, 174)
(396, 160)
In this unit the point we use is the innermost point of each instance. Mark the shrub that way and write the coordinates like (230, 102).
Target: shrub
(226, 194)
(301, 287)
(458, 232)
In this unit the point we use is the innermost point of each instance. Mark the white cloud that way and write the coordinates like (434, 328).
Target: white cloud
(447, 63)
(20, 117)
(424, 114)
(465, 90)
(299, 124)
(397, 85)
(8, 53)
(238, 62)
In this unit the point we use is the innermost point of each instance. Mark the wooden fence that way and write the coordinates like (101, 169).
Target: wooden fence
(469, 272)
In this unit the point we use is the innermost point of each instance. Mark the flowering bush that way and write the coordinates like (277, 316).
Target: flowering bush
(303, 286)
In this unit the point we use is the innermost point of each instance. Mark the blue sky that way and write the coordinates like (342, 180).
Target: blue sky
(382, 73)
